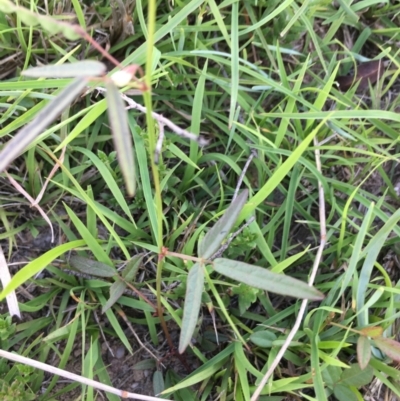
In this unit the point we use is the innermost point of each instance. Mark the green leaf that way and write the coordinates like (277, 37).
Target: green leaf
(247, 296)
(194, 289)
(331, 375)
(343, 393)
(118, 288)
(263, 339)
(357, 377)
(132, 267)
(390, 347)
(122, 136)
(158, 382)
(259, 277)
(44, 118)
(91, 267)
(363, 351)
(86, 68)
(213, 239)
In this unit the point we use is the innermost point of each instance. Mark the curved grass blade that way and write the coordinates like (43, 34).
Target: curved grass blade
(194, 289)
(86, 68)
(121, 136)
(38, 265)
(44, 118)
(280, 173)
(264, 279)
(372, 251)
(212, 240)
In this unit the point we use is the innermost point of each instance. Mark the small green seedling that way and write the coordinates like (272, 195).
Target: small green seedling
(253, 276)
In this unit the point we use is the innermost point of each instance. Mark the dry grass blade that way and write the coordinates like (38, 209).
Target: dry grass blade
(5, 278)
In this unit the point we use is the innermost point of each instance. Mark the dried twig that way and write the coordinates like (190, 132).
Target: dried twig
(303, 306)
(253, 153)
(157, 150)
(32, 201)
(72, 376)
(162, 120)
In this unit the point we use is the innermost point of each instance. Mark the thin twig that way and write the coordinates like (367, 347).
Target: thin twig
(102, 333)
(303, 306)
(253, 153)
(19, 188)
(74, 377)
(162, 120)
(158, 149)
(128, 323)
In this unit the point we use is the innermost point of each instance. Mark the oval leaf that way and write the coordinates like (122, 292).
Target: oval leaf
(390, 347)
(44, 118)
(194, 289)
(92, 267)
(263, 339)
(357, 377)
(158, 382)
(116, 290)
(213, 239)
(266, 280)
(344, 393)
(88, 68)
(122, 136)
(132, 267)
(363, 351)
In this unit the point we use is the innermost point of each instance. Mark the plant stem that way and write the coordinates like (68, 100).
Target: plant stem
(152, 144)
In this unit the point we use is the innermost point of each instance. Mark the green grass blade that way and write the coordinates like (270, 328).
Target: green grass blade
(38, 265)
(372, 251)
(278, 176)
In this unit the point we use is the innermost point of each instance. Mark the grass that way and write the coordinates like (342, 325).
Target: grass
(257, 79)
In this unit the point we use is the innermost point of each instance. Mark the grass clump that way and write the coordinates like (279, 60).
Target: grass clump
(279, 158)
